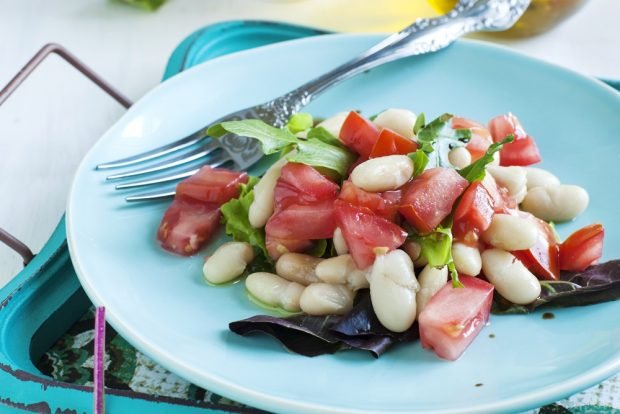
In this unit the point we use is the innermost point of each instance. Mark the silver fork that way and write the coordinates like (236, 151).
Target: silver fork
(423, 36)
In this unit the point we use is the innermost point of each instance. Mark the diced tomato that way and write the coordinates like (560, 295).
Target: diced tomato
(498, 195)
(480, 140)
(429, 198)
(454, 317)
(391, 143)
(359, 134)
(543, 259)
(187, 225)
(474, 212)
(277, 247)
(212, 185)
(523, 150)
(302, 184)
(383, 204)
(583, 248)
(305, 222)
(364, 231)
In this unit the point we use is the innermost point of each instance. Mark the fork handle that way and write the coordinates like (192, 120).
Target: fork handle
(423, 36)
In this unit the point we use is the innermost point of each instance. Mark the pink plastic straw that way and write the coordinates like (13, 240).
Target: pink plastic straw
(99, 361)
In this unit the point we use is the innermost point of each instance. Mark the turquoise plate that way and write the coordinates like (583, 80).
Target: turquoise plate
(160, 304)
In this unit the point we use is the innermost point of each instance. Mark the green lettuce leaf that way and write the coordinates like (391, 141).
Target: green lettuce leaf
(436, 248)
(419, 123)
(324, 135)
(313, 151)
(237, 223)
(477, 170)
(420, 160)
(299, 122)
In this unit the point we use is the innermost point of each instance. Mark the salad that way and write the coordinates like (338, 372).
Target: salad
(367, 232)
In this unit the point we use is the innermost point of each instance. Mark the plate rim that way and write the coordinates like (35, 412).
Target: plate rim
(219, 385)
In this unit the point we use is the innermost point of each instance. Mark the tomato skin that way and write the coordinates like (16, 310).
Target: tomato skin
(392, 143)
(474, 212)
(303, 222)
(455, 316)
(212, 185)
(429, 198)
(542, 259)
(383, 204)
(359, 134)
(187, 225)
(480, 140)
(583, 248)
(363, 231)
(302, 184)
(523, 150)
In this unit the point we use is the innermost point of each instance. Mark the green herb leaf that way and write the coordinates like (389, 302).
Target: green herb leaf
(237, 223)
(419, 123)
(150, 5)
(428, 135)
(300, 122)
(420, 160)
(319, 248)
(313, 151)
(324, 135)
(463, 134)
(477, 170)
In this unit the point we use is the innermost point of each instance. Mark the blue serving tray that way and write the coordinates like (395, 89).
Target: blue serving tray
(40, 303)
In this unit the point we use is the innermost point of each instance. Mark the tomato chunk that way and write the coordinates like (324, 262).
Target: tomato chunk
(212, 185)
(303, 222)
(383, 204)
(277, 247)
(523, 150)
(391, 143)
(364, 231)
(583, 248)
(428, 199)
(187, 225)
(480, 140)
(474, 212)
(359, 134)
(454, 317)
(302, 184)
(542, 259)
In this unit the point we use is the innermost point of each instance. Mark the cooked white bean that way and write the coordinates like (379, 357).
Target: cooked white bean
(342, 270)
(511, 232)
(333, 124)
(459, 157)
(298, 267)
(413, 249)
(466, 259)
(510, 277)
(227, 262)
(513, 178)
(274, 290)
(383, 173)
(339, 242)
(263, 205)
(326, 299)
(431, 280)
(537, 177)
(556, 202)
(398, 120)
(393, 288)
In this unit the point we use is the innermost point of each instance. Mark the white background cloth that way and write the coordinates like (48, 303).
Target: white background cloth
(49, 124)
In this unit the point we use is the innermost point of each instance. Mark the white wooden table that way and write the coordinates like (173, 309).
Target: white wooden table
(49, 124)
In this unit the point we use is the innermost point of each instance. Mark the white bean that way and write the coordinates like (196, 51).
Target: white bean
(383, 173)
(227, 262)
(326, 299)
(537, 177)
(414, 250)
(466, 259)
(339, 242)
(393, 288)
(275, 291)
(333, 124)
(431, 280)
(510, 233)
(459, 157)
(510, 277)
(400, 121)
(342, 270)
(298, 267)
(263, 205)
(556, 202)
(513, 178)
